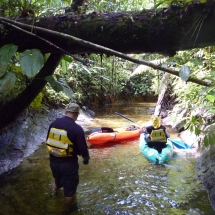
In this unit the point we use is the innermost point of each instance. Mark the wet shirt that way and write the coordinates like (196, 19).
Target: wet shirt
(75, 134)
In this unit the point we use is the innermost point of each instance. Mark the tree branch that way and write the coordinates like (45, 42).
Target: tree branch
(11, 110)
(48, 42)
(105, 50)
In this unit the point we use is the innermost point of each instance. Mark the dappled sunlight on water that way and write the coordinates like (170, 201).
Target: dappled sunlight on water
(131, 185)
(117, 181)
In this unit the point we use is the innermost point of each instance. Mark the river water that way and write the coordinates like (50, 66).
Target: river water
(117, 181)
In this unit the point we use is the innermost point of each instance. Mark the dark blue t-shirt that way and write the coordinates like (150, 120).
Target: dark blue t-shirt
(75, 134)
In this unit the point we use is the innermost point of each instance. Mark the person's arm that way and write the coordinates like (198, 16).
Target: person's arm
(149, 129)
(142, 129)
(166, 132)
(82, 147)
(145, 130)
(77, 137)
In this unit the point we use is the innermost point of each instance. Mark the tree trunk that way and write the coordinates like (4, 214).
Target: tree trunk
(162, 90)
(11, 110)
(150, 31)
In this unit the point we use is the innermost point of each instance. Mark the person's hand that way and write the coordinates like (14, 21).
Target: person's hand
(86, 161)
(142, 129)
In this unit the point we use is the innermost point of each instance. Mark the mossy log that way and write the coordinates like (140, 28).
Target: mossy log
(162, 31)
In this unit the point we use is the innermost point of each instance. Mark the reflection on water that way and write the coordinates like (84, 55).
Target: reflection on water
(136, 112)
(118, 180)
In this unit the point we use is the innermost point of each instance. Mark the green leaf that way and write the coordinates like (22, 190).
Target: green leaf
(206, 141)
(66, 88)
(197, 62)
(31, 61)
(105, 78)
(54, 84)
(87, 70)
(212, 111)
(191, 128)
(3, 68)
(7, 83)
(184, 72)
(68, 58)
(64, 66)
(211, 98)
(160, 3)
(209, 140)
(197, 131)
(6, 52)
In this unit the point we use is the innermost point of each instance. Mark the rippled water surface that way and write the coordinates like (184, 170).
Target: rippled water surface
(118, 180)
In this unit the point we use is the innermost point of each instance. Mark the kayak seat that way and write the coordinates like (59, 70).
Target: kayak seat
(107, 130)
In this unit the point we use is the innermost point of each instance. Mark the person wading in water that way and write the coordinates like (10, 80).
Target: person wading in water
(65, 141)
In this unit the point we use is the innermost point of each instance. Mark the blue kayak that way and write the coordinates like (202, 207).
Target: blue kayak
(152, 154)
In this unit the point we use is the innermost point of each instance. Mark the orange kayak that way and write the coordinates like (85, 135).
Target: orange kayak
(118, 135)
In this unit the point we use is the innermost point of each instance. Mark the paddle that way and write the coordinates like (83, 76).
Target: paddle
(177, 143)
(127, 118)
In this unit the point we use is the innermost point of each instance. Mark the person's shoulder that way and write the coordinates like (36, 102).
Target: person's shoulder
(74, 126)
(54, 121)
(79, 127)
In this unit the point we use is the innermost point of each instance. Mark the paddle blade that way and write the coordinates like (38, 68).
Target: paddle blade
(179, 144)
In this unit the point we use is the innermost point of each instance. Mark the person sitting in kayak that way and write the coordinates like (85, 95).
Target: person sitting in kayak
(156, 135)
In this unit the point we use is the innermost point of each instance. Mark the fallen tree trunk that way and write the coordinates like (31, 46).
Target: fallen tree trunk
(162, 31)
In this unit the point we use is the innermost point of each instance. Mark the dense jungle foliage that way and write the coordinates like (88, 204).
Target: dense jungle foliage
(98, 79)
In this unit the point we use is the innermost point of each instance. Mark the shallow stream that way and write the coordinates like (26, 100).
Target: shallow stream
(117, 181)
